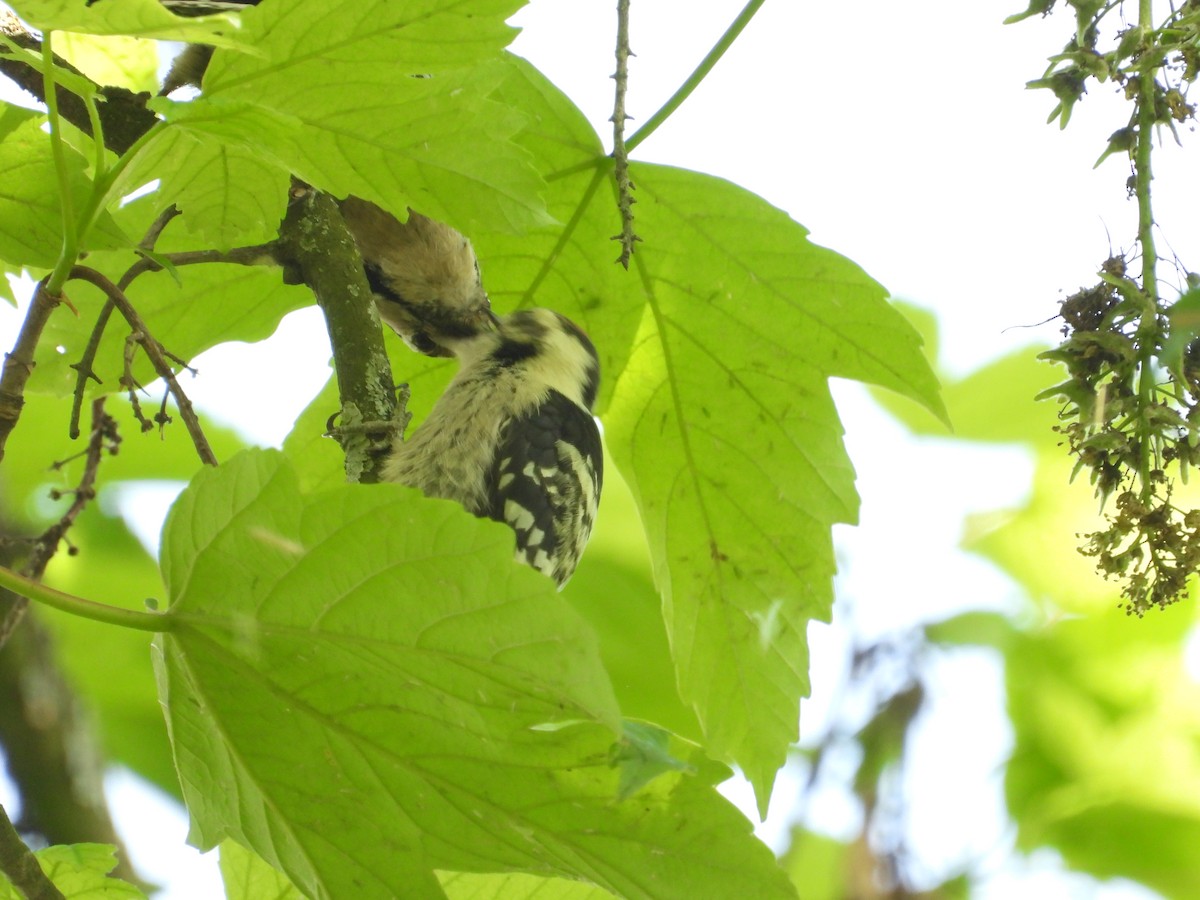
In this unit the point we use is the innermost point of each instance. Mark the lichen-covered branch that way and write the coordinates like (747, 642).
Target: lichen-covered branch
(318, 249)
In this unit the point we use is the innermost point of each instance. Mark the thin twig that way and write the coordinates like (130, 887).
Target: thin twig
(253, 255)
(150, 238)
(256, 255)
(103, 438)
(21, 866)
(83, 368)
(154, 351)
(130, 383)
(18, 365)
(620, 154)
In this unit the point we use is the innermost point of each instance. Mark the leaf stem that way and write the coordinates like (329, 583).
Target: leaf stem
(93, 112)
(70, 248)
(80, 606)
(693, 81)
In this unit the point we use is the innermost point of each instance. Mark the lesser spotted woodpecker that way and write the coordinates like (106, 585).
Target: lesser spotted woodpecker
(513, 438)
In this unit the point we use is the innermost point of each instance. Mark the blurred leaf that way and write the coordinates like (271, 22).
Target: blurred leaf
(883, 738)
(358, 719)
(1036, 544)
(994, 403)
(110, 667)
(985, 629)
(817, 865)
(1106, 766)
(1184, 319)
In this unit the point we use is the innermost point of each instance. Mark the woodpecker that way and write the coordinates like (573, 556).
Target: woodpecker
(512, 438)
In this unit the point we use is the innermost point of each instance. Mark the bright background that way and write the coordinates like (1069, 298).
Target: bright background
(901, 136)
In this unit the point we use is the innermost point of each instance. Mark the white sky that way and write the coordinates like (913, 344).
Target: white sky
(901, 136)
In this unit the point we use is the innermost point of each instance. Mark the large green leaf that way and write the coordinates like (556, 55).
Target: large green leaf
(112, 60)
(248, 877)
(470, 886)
(723, 425)
(715, 352)
(429, 136)
(362, 687)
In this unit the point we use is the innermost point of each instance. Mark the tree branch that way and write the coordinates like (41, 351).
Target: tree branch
(18, 365)
(21, 866)
(315, 243)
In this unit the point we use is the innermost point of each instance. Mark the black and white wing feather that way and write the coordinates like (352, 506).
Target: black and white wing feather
(546, 484)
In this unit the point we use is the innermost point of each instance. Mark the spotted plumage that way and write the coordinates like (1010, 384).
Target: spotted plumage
(513, 438)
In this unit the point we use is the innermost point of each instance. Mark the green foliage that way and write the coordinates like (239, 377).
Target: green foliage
(80, 872)
(1096, 701)
(1087, 698)
(334, 646)
(358, 683)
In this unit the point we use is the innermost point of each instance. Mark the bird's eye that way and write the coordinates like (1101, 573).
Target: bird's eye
(423, 343)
